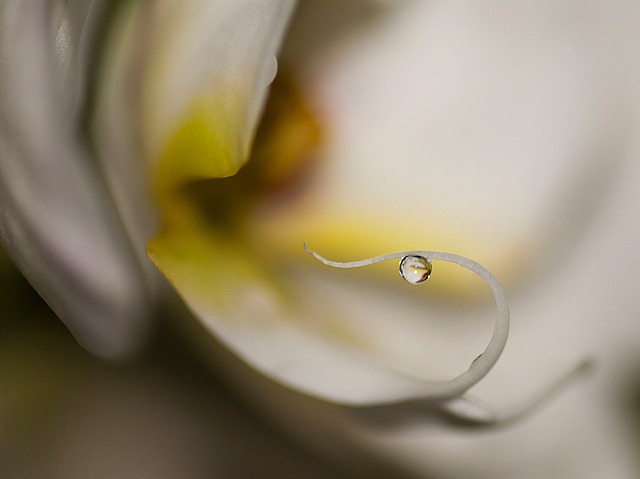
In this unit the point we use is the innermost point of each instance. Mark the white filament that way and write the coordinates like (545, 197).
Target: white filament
(483, 364)
(449, 394)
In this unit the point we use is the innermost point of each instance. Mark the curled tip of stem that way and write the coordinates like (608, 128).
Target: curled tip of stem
(316, 255)
(322, 259)
(307, 250)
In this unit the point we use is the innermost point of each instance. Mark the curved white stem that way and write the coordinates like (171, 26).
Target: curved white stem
(483, 364)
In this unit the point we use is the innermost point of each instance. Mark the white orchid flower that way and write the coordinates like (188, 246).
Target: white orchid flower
(140, 149)
(78, 154)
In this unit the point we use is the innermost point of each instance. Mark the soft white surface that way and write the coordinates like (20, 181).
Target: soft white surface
(56, 218)
(520, 120)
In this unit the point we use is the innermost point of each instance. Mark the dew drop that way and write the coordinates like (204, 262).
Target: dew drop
(415, 269)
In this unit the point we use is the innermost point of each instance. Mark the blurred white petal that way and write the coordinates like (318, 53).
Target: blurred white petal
(75, 21)
(210, 51)
(116, 126)
(520, 131)
(57, 221)
(489, 136)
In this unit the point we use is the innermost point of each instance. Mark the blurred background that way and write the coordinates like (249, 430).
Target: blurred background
(508, 133)
(66, 414)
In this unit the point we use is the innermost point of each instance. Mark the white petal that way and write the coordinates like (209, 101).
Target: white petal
(75, 21)
(56, 218)
(480, 133)
(116, 127)
(521, 106)
(218, 47)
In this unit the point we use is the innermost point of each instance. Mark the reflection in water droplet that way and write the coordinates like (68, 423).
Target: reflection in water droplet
(415, 269)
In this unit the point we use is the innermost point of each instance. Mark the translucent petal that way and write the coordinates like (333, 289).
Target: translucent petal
(75, 22)
(56, 218)
(260, 315)
(205, 83)
(116, 127)
(468, 412)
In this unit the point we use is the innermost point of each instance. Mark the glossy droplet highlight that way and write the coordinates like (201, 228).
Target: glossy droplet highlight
(415, 269)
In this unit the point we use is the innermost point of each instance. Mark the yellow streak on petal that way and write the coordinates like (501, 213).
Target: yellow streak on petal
(205, 144)
(208, 269)
(228, 285)
(348, 236)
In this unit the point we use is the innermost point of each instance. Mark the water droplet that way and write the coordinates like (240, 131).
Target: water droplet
(415, 269)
